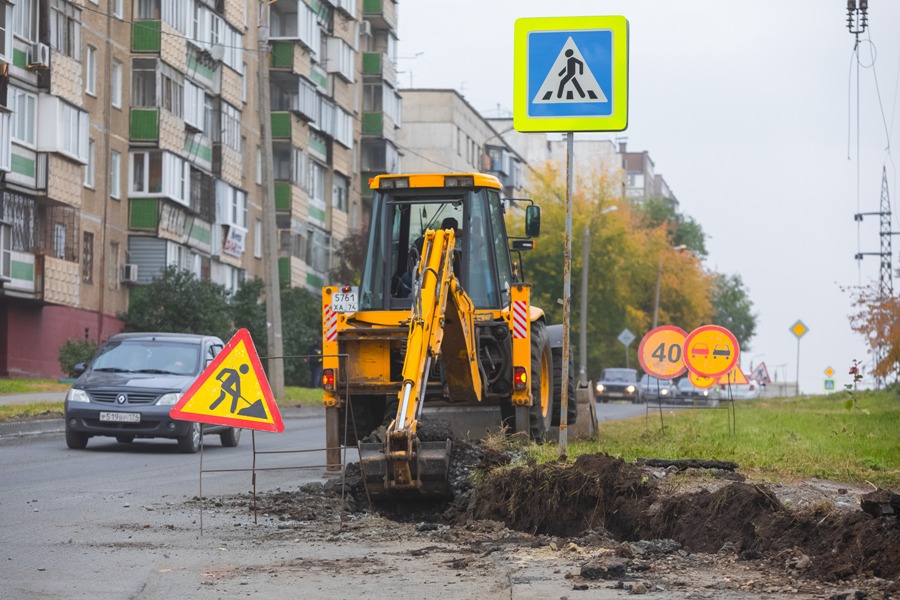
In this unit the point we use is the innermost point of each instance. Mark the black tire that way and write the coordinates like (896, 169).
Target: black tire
(189, 443)
(540, 414)
(124, 439)
(76, 440)
(572, 405)
(230, 437)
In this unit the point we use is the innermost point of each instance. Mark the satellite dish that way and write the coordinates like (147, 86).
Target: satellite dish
(217, 52)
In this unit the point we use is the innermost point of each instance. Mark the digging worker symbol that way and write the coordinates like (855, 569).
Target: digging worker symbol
(231, 386)
(568, 74)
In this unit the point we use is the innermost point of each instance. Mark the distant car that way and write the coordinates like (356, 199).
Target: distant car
(656, 390)
(131, 385)
(744, 391)
(617, 384)
(687, 393)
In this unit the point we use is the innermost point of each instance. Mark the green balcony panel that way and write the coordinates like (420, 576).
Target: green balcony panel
(282, 55)
(19, 58)
(144, 124)
(373, 123)
(145, 36)
(21, 270)
(201, 233)
(144, 213)
(284, 270)
(281, 125)
(314, 281)
(283, 196)
(317, 213)
(371, 63)
(22, 165)
(372, 7)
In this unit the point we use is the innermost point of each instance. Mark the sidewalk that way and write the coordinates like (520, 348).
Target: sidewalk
(7, 399)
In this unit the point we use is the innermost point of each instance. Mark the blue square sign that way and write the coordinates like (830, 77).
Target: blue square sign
(571, 74)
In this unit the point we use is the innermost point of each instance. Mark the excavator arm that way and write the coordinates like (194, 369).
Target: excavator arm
(441, 324)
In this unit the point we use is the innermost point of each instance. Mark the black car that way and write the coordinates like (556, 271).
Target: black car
(130, 386)
(617, 384)
(687, 393)
(656, 390)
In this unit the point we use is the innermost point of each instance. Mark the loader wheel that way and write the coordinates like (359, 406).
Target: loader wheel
(572, 405)
(540, 414)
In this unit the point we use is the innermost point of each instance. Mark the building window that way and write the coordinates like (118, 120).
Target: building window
(59, 241)
(146, 9)
(231, 126)
(6, 24)
(23, 106)
(257, 239)
(65, 28)
(90, 168)
(112, 275)
(74, 125)
(115, 166)
(340, 191)
(116, 84)
(25, 19)
(146, 175)
(317, 181)
(87, 259)
(172, 95)
(90, 70)
(244, 84)
(118, 9)
(143, 82)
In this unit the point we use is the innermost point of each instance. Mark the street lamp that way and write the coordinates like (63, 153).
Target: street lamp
(582, 349)
(678, 248)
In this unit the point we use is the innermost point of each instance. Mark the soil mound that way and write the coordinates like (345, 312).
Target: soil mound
(599, 492)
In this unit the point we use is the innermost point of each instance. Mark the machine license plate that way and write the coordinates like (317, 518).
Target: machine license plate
(346, 300)
(121, 417)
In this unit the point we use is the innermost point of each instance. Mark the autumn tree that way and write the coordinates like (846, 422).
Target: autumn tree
(733, 308)
(877, 319)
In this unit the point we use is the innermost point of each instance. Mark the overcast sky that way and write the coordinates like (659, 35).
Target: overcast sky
(744, 106)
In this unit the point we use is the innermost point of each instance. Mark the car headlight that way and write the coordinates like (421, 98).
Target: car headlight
(663, 392)
(169, 399)
(76, 395)
(630, 389)
(705, 392)
(600, 388)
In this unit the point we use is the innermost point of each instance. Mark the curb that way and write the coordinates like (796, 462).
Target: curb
(24, 428)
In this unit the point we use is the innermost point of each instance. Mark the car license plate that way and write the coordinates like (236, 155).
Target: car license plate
(615, 394)
(345, 300)
(121, 417)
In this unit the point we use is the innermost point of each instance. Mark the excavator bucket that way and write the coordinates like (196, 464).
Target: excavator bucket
(425, 473)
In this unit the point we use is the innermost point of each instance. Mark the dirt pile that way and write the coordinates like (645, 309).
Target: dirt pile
(599, 492)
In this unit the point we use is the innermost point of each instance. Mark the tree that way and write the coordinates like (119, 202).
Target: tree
(349, 258)
(248, 311)
(624, 256)
(681, 229)
(177, 301)
(302, 328)
(733, 308)
(877, 319)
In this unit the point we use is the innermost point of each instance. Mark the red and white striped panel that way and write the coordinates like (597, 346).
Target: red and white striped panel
(330, 325)
(520, 319)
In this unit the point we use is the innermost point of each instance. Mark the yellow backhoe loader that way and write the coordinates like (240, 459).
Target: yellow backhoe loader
(441, 318)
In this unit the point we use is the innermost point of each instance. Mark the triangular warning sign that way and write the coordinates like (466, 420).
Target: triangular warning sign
(233, 390)
(735, 377)
(569, 80)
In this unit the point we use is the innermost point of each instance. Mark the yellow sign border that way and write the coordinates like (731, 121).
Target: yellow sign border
(618, 120)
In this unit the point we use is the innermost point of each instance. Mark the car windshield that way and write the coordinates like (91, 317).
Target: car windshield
(685, 384)
(148, 356)
(619, 375)
(647, 381)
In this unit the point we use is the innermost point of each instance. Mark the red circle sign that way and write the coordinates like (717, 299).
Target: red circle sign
(711, 351)
(660, 352)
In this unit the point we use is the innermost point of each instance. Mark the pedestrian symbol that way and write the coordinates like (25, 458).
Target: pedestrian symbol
(570, 79)
(233, 391)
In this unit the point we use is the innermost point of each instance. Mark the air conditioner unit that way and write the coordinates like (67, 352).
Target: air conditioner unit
(38, 56)
(129, 273)
(365, 28)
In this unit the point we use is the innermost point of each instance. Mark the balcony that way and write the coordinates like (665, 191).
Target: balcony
(378, 64)
(146, 36)
(143, 214)
(144, 125)
(381, 13)
(282, 56)
(281, 125)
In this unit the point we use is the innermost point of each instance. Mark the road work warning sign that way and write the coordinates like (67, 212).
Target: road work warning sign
(233, 391)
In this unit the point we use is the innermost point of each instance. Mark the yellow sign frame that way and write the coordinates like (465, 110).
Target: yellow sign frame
(617, 120)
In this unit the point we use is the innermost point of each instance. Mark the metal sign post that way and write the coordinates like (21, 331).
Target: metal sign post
(799, 329)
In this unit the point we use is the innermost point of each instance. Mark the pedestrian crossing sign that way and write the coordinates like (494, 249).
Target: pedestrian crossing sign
(571, 74)
(232, 390)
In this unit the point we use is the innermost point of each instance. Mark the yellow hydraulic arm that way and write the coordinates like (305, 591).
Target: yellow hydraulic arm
(434, 332)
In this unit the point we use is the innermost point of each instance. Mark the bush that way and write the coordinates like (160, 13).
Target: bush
(76, 351)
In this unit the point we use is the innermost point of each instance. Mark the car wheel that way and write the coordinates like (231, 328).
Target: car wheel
(230, 437)
(189, 443)
(76, 440)
(124, 439)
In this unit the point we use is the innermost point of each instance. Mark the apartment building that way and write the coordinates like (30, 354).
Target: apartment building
(442, 132)
(130, 141)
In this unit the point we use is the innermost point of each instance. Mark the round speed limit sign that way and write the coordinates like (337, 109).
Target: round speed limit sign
(660, 352)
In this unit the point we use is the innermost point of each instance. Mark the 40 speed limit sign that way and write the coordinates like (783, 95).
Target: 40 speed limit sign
(661, 352)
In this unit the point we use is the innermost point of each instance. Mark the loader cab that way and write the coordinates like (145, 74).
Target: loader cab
(404, 207)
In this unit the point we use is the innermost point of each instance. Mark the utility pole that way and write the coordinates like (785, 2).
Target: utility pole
(275, 345)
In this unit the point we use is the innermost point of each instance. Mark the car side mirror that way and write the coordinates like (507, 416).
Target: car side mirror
(532, 220)
(78, 369)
